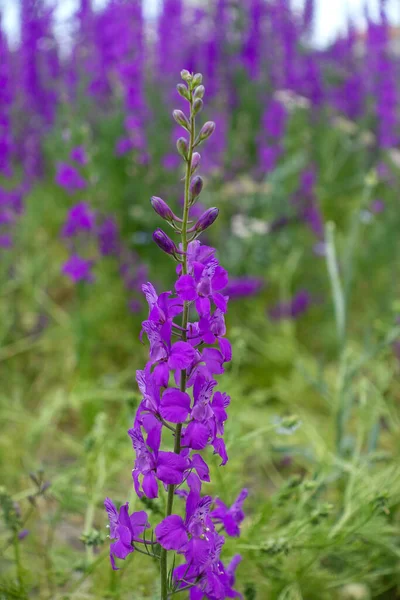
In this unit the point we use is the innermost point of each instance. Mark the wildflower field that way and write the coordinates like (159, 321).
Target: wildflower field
(200, 304)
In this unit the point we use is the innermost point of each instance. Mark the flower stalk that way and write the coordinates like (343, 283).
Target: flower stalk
(183, 354)
(185, 318)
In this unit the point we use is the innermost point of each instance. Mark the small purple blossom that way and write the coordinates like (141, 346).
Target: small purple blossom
(232, 517)
(78, 155)
(377, 206)
(125, 529)
(69, 178)
(23, 534)
(81, 218)
(78, 269)
(108, 237)
(123, 146)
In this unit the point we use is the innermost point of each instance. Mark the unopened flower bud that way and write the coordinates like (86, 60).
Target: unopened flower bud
(181, 118)
(199, 92)
(206, 131)
(183, 91)
(182, 147)
(186, 75)
(164, 242)
(196, 157)
(196, 185)
(197, 106)
(162, 208)
(206, 220)
(197, 80)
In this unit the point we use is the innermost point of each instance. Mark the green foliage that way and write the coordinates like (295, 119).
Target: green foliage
(314, 421)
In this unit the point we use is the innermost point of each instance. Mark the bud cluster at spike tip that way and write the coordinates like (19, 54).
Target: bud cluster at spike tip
(186, 331)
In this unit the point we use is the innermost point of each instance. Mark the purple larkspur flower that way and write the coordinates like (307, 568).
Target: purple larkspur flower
(23, 534)
(177, 384)
(78, 155)
(274, 119)
(78, 269)
(153, 464)
(123, 146)
(108, 237)
(81, 218)
(377, 206)
(207, 416)
(69, 178)
(231, 517)
(204, 568)
(203, 285)
(306, 202)
(182, 535)
(125, 529)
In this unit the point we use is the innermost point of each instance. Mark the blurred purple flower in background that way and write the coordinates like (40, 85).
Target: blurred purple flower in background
(292, 309)
(78, 269)
(78, 155)
(306, 202)
(273, 127)
(109, 237)
(242, 287)
(69, 178)
(81, 218)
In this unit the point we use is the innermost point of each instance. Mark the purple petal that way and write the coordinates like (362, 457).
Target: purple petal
(199, 464)
(175, 405)
(182, 355)
(186, 288)
(139, 522)
(161, 374)
(220, 301)
(226, 349)
(198, 551)
(171, 533)
(170, 467)
(214, 360)
(230, 525)
(112, 516)
(196, 435)
(150, 486)
(220, 279)
(203, 306)
(219, 448)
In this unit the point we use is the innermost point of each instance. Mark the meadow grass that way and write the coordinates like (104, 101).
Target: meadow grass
(312, 432)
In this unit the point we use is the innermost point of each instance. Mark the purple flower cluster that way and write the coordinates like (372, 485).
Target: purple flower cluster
(111, 61)
(77, 230)
(186, 331)
(306, 203)
(11, 208)
(91, 235)
(273, 130)
(69, 178)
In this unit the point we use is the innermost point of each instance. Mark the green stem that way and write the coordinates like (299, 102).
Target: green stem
(17, 556)
(89, 519)
(339, 301)
(185, 318)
